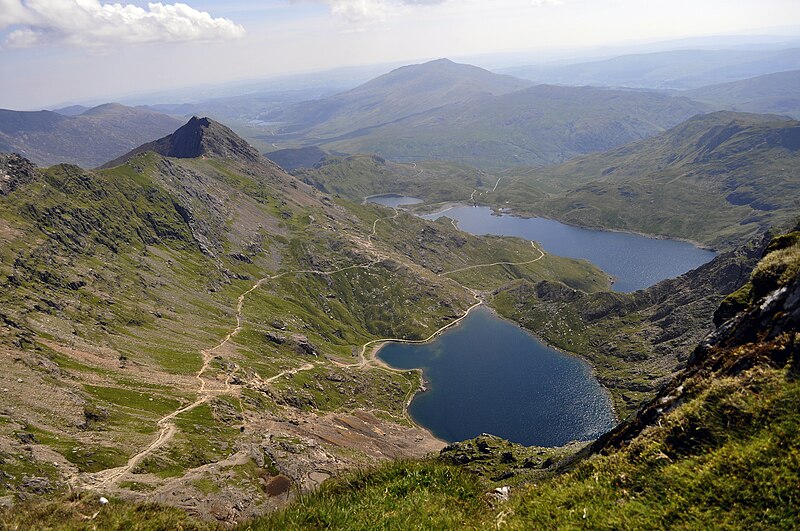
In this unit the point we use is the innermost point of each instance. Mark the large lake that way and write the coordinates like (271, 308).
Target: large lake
(489, 375)
(635, 261)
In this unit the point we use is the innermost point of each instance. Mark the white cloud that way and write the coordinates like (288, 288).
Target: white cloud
(360, 11)
(89, 23)
(22, 38)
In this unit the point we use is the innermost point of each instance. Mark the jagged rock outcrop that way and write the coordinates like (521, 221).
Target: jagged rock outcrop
(199, 137)
(14, 171)
(765, 334)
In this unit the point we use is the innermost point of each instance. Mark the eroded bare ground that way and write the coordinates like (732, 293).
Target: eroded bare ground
(268, 457)
(281, 457)
(272, 457)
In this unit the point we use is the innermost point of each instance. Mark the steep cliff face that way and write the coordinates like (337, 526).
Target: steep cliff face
(764, 334)
(636, 341)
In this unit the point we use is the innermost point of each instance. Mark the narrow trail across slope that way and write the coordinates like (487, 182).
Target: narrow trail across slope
(165, 424)
(495, 184)
(375, 224)
(365, 360)
(498, 263)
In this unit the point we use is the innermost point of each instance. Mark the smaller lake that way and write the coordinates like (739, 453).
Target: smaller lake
(489, 375)
(635, 261)
(393, 200)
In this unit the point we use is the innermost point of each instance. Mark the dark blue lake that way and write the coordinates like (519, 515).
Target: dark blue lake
(489, 375)
(635, 261)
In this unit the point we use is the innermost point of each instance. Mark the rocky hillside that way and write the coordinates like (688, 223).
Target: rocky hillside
(716, 448)
(88, 139)
(636, 341)
(202, 326)
(199, 137)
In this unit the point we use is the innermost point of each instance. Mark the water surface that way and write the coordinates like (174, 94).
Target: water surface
(635, 261)
(489, 375)
(393, 200)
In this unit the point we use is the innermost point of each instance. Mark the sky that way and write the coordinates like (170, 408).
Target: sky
(62, 51)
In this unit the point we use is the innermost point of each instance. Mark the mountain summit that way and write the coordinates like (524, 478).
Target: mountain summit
(199, 137)
(403, 92)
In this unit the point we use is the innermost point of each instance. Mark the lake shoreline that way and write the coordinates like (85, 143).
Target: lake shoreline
(475, 223)
(499, 211)
(586, 365)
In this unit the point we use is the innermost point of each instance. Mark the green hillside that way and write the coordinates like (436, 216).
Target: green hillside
(717, 448)
(175, 309)
(771, 93)
(718, 179)
(404, 92)
(537, 126)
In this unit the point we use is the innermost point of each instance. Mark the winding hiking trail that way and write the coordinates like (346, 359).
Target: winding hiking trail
(167, 429)
(165, 424)
(497, 263)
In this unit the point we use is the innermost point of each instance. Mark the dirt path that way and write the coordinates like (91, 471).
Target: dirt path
(495, 184)
(375, 225)
(497, 263)
(365, 360)
(165, 424)
(305, 367)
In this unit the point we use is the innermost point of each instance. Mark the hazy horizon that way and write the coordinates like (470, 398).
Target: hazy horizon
(84, 51)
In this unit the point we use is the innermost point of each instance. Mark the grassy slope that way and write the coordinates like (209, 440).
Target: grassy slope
(717, 448)
(537, 126)
(717, 179)
(359, 176)
(119, 279)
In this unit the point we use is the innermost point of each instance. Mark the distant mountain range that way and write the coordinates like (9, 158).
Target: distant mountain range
(678, 69)
(87, 138)
(777, 93)
(447, 111)
(438, 110)
(404, 92)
